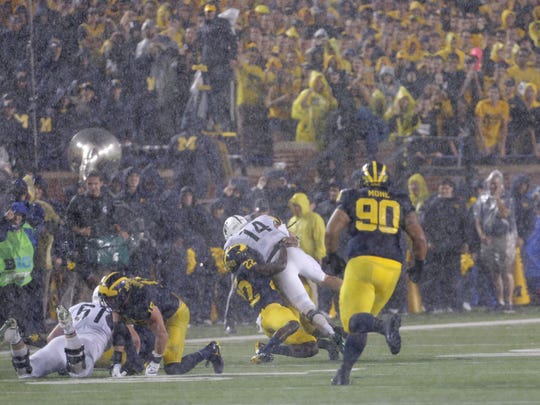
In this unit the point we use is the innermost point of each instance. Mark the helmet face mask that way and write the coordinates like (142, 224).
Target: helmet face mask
(233, 225)
(96, 299)
(374, 174)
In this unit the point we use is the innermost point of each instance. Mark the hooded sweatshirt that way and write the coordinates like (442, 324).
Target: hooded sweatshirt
(309, 227)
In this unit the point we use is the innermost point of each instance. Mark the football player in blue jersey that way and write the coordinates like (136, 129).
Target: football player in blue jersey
(146, 303)
(282, 324)
(375, 216)
(267, 235)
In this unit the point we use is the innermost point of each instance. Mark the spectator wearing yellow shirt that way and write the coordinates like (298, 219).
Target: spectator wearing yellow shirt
(174, 30)
(452, 47)
(93, 33)
(508, 21)
(534, 27)
(492, 116)
(521, 72)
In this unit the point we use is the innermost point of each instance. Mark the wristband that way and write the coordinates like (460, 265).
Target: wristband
(116, 357)
(156, 358)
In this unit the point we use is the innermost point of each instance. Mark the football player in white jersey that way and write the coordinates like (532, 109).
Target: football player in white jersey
(74, 345)
(266, 234)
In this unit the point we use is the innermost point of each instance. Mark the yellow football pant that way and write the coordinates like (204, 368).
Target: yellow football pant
(275, 316)
(368, 284)
(177, 326)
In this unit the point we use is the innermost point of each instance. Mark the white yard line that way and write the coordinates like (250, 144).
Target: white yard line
(480, 324)
(261, 372)
(175, 378)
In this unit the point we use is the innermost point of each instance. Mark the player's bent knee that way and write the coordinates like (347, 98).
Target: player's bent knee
(361, 323)
(76, 361)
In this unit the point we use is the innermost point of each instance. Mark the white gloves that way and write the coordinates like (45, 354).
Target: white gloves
(117, 372)
(152, 369)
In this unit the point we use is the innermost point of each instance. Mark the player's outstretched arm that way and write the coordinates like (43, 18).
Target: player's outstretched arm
(416, 233)
(332, 282)
(337, 222)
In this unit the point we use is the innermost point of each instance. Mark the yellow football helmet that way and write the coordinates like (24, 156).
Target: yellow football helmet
(374, 174)
(113, 289)
(239, 255)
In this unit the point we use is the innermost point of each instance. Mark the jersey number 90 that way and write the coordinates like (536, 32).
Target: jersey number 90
(373, 215)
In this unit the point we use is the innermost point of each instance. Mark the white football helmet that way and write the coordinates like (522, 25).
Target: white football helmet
(233, 225)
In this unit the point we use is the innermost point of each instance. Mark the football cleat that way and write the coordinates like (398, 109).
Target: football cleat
(260, 355)
(339, 338)
(333, 350)
(65, 320)
(341, 377)
(391, 332)
(262, 358)
(10, 331)
(259, 347)
(215, 357)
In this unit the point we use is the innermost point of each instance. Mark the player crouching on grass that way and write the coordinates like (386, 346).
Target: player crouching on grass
(147, 303)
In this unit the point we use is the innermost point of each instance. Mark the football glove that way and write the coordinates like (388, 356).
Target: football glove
(415, 272)
(333, 264)
(117, 371)
(153, 367)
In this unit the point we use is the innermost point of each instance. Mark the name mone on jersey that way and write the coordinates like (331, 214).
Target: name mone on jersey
(378, 193)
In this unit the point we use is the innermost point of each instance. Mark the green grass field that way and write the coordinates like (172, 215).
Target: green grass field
(475, 358)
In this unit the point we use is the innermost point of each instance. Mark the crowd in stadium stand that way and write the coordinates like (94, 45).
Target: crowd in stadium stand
(444, 81)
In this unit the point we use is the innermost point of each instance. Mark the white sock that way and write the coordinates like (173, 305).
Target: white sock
(73, 342)
(19, 352)
(322, 325)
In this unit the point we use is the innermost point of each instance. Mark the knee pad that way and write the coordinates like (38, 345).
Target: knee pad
(76, 360)
(22, 365)
(361, 323)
